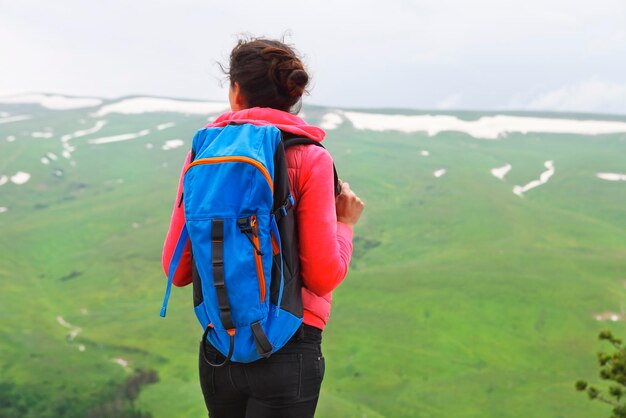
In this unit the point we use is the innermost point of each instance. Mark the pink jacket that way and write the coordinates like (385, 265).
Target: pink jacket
(325, 244)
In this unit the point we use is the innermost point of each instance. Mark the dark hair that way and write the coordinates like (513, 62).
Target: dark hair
(269, 74)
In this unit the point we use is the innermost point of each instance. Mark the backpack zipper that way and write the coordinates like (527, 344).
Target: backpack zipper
(250, 228)
(257, 256)
(236, 159)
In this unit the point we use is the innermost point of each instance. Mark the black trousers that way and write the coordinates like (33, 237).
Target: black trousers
(286, 385)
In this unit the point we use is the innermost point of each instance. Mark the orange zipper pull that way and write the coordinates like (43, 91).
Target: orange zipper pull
(253, 224)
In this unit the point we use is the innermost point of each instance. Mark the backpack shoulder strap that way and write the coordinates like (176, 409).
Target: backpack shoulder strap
(292, 141)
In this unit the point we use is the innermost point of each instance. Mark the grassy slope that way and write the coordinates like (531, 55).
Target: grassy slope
(489, 295)
(474, 303)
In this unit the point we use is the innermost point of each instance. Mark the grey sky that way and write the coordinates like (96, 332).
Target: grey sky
(483, 54)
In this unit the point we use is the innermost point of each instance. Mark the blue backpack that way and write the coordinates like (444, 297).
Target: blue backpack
(246, 279)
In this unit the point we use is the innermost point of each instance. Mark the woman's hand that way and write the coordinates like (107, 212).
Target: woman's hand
(349, 206)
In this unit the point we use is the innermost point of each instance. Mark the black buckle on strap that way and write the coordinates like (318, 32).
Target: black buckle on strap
(281, 211)
(263, 346)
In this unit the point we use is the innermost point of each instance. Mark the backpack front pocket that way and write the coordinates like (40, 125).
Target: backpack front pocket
(233, 283)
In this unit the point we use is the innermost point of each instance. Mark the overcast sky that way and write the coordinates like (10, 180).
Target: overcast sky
(430, 54)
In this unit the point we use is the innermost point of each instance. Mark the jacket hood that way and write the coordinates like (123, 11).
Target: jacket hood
(266, 116)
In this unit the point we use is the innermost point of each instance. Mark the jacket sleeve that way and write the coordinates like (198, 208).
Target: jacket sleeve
(182, 276)
(325, 244)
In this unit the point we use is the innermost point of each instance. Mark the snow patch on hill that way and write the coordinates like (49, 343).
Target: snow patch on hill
(74, 331)
(16, 118)
(122, 362)
(487, 127)
(612, 176)
(172, 144)
(165, 126)
(138, 105)
(42, 135)
(543, 179)
(331, 121)
(608, 316)
(55, 102)
(440, 172)
(99, 125)
(20, 177)
(118, 138)
(500, 172)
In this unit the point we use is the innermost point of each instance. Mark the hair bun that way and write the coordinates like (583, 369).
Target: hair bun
(296, 82)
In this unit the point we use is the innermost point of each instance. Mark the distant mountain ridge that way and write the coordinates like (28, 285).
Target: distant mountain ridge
(483, 126)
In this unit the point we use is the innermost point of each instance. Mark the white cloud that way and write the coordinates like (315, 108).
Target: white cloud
(588, 96)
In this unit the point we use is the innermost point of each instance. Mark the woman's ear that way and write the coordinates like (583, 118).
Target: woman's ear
(235, 97)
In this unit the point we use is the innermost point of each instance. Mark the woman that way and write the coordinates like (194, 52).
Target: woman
(267, 81)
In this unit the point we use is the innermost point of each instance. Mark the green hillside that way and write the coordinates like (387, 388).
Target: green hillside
(463, 299)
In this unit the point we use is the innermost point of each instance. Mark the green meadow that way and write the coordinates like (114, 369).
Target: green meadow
(463, 299)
